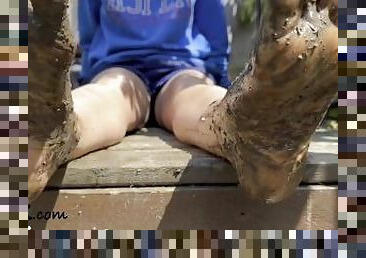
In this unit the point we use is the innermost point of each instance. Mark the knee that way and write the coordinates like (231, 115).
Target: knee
(173, 108)
(139, 105)
(132, 92)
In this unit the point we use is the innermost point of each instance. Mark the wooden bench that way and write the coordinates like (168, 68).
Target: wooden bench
(153, 181)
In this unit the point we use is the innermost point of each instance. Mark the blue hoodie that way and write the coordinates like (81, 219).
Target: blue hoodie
(154, 34)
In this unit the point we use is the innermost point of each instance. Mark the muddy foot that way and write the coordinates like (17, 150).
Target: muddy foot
(265, 121)
(52, 134)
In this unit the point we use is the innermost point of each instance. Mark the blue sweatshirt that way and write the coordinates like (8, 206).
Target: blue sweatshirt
(154, 34)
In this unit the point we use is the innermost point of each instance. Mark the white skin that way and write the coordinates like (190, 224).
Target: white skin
(117, 101)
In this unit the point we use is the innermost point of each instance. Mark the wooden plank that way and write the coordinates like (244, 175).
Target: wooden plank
(312, 207)
(155, 157)
(156, 139)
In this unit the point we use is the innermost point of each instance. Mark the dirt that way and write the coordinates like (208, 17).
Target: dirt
(265, 122)
(51, 119)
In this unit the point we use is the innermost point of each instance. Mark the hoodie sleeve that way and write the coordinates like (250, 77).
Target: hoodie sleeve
(210, 19)
(88, 17)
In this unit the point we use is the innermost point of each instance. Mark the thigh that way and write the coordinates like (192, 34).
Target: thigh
(115, 93)
(184, 98)
(116, 101)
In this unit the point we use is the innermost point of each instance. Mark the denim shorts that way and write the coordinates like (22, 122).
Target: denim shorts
(154, 79)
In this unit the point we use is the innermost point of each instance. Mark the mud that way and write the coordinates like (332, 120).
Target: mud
(267, 118)
(265, 121)
(52, 131)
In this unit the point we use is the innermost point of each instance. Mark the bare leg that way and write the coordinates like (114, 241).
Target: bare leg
(181, 104)
(115, 102)
(264, 123)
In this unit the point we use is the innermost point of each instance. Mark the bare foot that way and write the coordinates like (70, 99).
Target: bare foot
(267, 118)
(52, 132)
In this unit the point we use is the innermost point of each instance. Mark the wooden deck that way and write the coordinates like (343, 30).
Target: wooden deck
(152, 181)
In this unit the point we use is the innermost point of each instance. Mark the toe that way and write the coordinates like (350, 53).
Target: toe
(327, 3)
(332, 6)
(286, 5)
(280, 16)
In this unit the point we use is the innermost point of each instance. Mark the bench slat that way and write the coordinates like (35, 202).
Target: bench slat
(155, 157)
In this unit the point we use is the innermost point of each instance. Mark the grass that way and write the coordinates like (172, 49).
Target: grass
(247, 11)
